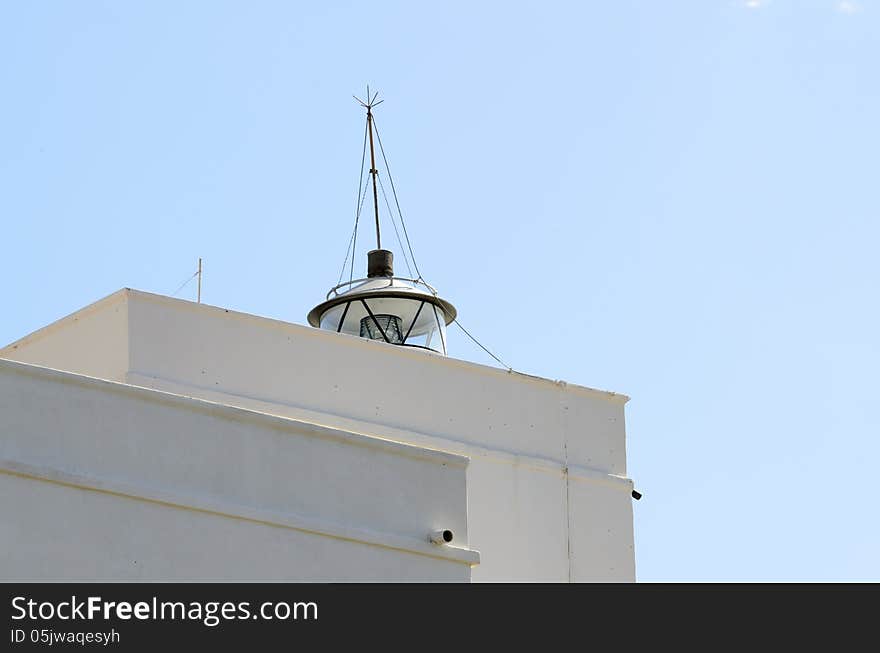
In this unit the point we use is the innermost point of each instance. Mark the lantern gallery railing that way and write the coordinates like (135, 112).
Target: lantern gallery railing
(417, 284)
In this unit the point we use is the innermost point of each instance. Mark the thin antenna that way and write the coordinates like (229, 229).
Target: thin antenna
(369, 104)
(199, 295)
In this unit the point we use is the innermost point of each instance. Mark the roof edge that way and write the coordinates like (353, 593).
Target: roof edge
(124, 294)
(237, 413)
(397, 351)
(105, 302)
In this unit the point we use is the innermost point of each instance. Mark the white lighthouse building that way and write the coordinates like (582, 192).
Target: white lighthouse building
(150, 438)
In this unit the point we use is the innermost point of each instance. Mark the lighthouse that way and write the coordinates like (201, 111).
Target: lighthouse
(150, 438)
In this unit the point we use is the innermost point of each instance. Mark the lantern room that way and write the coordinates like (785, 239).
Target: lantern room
(386, 308)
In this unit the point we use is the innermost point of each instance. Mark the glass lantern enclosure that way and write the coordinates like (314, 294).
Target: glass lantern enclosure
(387, 309)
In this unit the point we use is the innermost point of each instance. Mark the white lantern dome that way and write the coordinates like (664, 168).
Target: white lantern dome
(394, 310)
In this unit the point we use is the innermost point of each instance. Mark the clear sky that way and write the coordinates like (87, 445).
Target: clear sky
(678, 201)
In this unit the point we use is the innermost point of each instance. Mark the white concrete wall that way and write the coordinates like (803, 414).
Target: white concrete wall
(92, 341)
(74, 534)
(101, 480)
(548, 497)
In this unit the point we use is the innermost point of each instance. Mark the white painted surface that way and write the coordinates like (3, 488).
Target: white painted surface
(604, 518)
(547, 492)
(92, 341)
(94, 455)
(70, 534)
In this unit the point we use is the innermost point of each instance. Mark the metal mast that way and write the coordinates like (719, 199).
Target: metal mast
(369, 104)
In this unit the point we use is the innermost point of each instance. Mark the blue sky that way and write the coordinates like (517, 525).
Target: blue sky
(674, 200)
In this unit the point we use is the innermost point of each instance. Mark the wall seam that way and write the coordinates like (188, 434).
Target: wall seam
(565, 471)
